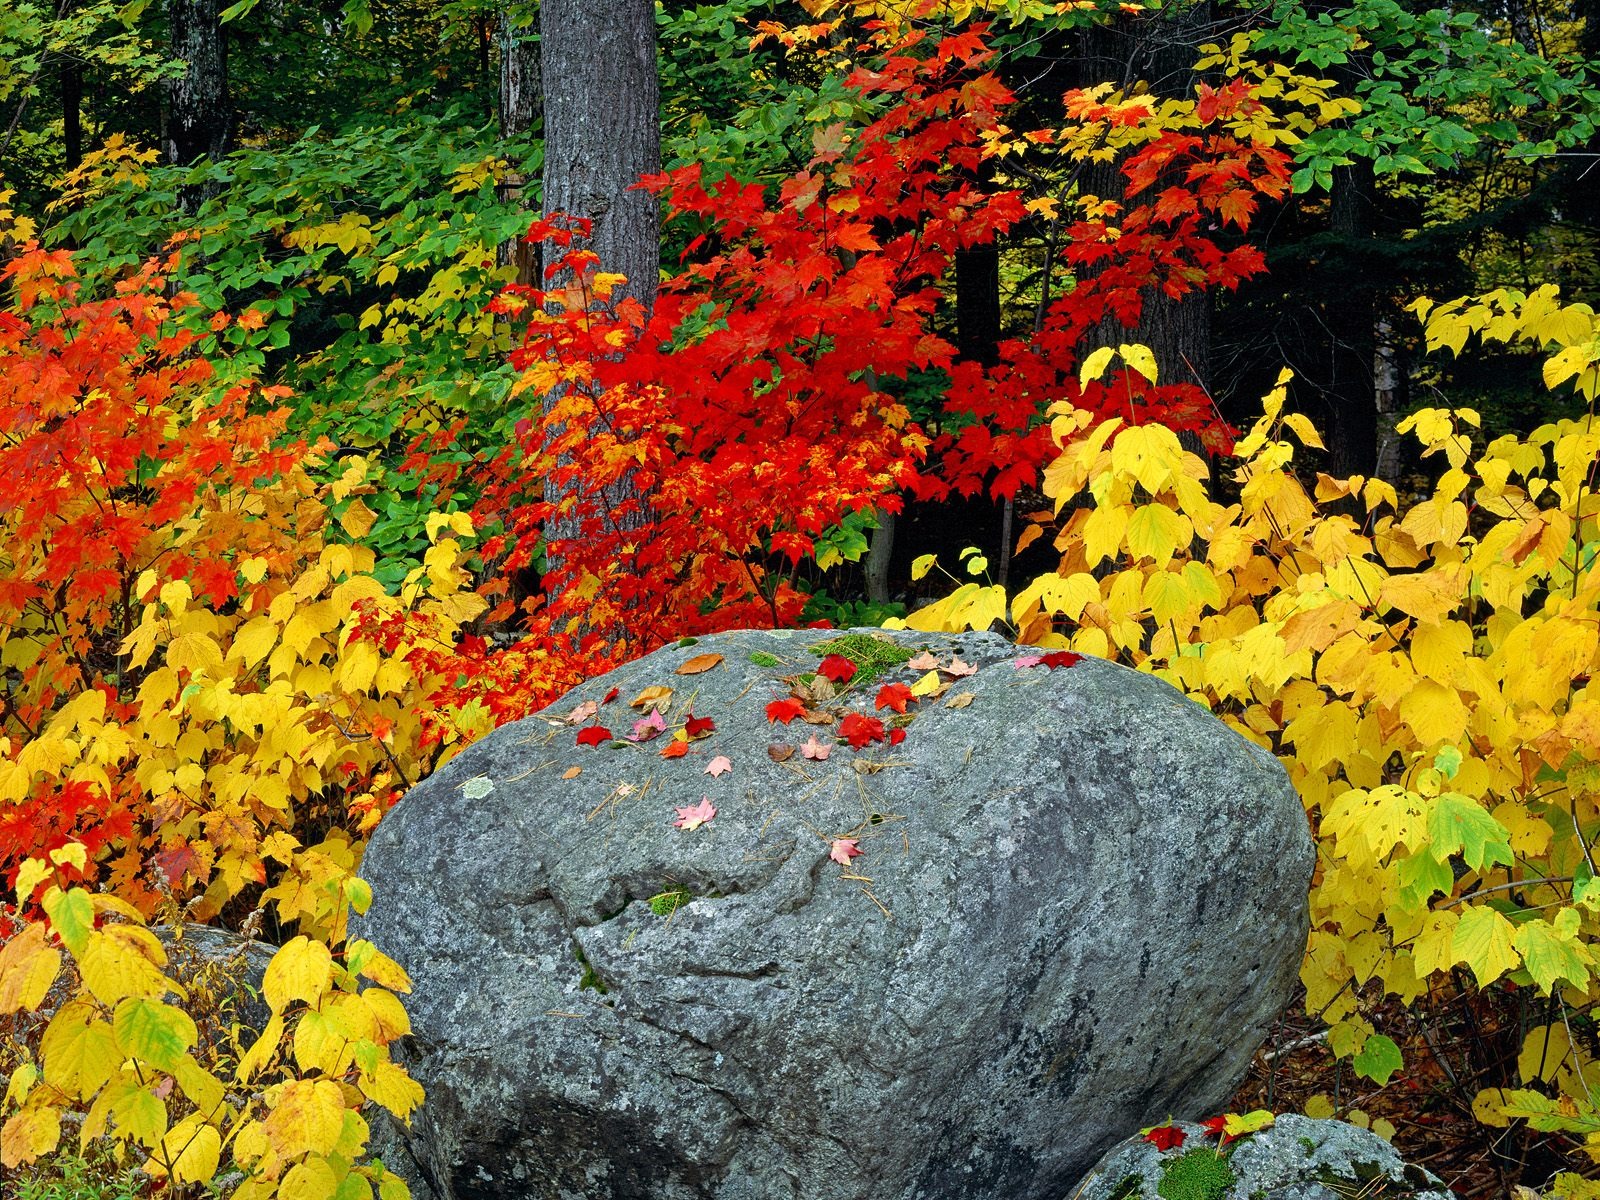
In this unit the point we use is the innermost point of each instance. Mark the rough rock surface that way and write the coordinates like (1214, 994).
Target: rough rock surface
(1081, 899)
(1296, 1159)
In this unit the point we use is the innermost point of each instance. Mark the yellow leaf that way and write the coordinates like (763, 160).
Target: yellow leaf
(313, 1179)
(253, 640)
(28, 1134)
(300, 970)
(188, 1153)
(28, 966)
(1304, 430)
(197, 653)
(1544, 1049)
(655, 696)
(73, 852)
(1045, 206)
(306, 1117)
(358, 519)
(1151, 454)
(1483, 941)
(391, 1087)
(1142, 360)
(79, 1050)
(368, 961)
(122, 960)
(1095, 365)
(388, 1012)
(262, 1049)
(929, 685)
(29, 876)
(1156, 532)
(319, 1048)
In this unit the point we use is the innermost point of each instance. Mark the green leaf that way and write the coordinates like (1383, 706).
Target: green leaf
(1458, 824)
(71, 915)
(156, 1033)
(1378, 1059)
(1447, 762)
(1552, 952)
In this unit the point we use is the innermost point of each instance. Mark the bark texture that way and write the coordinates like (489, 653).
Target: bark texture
(601, 132)
(521, 110)
(1160, 51)
(199, 116)
(602, 128)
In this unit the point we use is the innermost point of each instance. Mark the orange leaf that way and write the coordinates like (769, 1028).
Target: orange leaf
(699, 664)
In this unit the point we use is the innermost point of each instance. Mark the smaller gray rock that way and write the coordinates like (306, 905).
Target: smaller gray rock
(1298, 1158)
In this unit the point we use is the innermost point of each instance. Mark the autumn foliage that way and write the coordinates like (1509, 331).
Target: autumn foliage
(1424, 671)
(211, 698)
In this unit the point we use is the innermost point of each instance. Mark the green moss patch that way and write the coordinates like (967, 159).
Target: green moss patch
(1200, 1174)
(664, 904)
(871, 655)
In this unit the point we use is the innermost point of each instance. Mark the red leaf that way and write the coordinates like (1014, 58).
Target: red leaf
(593, 735)
(859, 730)
(896, 736)
(1164, 1137)
(1061, 658)
(784, 711)
(895, 696)
(1216, 1126)
(837, 668)
(842, 850)
(698, 726)
(674, 749)
(611, 695)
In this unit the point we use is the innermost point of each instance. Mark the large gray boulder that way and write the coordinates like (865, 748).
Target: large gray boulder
(1079, 902)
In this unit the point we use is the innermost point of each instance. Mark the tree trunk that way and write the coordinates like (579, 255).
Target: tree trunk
(521, 110)
(1350, 316)
(199, 116)
(602, 129)
(1160, 51)
(601, 132)
(72, 113)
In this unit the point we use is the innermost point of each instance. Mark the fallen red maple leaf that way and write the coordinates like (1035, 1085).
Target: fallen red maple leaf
(593, 735)
(786, 710)
(842, 850)
(696, 815)
(698, 726)
(1061, 658)
(859, 730)
(675, 749)
(896, 736)
(611, 695)
(1164, 1137)
(837, 668)
(1217, 1126)
(895, 696)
